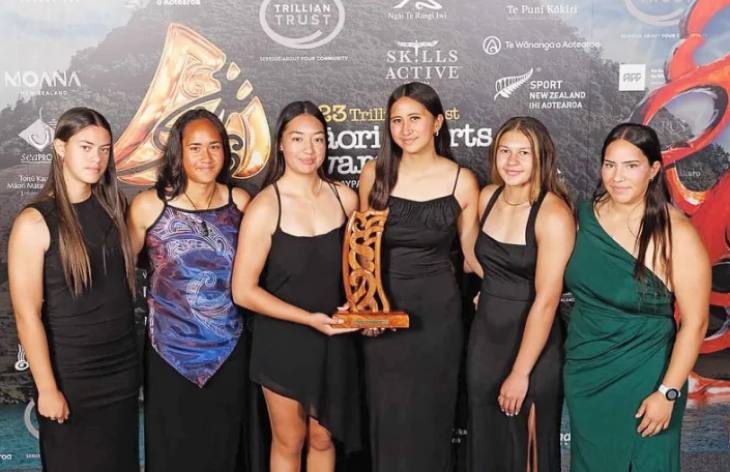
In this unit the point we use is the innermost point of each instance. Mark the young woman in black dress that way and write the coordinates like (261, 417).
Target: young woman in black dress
(515, 356)
(412, 374)
(289, 270)
(71, 272)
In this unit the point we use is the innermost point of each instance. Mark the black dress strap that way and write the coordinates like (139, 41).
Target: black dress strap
(337, 194)
(456, 180)
(278, 200)
(230, 195)
(530, 238)
(490, 205)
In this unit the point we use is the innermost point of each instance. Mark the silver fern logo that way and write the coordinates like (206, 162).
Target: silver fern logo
(506, 86)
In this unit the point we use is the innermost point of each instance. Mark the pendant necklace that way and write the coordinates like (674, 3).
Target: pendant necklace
(203, 225)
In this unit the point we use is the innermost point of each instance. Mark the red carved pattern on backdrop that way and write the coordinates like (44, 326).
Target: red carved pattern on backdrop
(708, 210)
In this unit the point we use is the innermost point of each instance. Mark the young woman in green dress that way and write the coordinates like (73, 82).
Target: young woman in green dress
(627, 361)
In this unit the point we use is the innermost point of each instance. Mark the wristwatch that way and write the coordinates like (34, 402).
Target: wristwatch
(670, 393)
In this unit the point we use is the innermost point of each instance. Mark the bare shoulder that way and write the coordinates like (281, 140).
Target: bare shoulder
(554, 205)
(368, 170)
(486, 194)
(367, 181)
(676, 216)
(684, 233)
(30, 218)
(467, 187)
(30, 230)
(145, 208)
(554, 213)
(263, 211)
(147, 201)
(240, 197)
(467, 180)
(348, 196)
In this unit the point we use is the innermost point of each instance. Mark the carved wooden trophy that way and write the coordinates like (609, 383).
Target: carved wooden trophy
(361, 273)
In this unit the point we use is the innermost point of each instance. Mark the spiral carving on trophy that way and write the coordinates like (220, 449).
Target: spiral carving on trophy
(368, 306)
(362, 253)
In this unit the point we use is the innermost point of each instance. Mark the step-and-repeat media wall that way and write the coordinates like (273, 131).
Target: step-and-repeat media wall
(580, 66)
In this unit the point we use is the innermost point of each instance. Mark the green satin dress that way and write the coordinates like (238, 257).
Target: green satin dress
(620, 339)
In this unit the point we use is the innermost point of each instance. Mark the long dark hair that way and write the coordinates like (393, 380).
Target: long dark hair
(171, 180)
(277, 163)
(386, 167)
(72, 249)
(656, 224)
(544, 158)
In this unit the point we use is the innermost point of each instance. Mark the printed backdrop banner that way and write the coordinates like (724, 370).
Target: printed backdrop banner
(580, 66)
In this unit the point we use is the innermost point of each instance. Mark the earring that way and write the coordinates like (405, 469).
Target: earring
(437, 133)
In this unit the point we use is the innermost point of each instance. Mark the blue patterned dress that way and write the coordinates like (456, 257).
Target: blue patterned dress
(195, 363)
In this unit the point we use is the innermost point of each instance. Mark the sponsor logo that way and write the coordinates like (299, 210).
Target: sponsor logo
(39, 134)
(552, 94)
(417, 10)
(27, 419)
(543, 94)
(492, 45)
(34, 79)
(550, 45)
(672, 125)
(507, 85)
(6, 457)
(420, 4)
(632, 77)
(422, 60)
(305, 25)
(42, 83)
(27, 185)
(541, 12)
(658, 12)
(21, 364)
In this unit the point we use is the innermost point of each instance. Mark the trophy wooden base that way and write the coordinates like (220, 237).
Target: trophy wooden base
(366, 320)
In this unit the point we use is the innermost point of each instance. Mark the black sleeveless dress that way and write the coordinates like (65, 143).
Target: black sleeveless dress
(297, 361)
(412, 374)
(497, 442)
(93, 351)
